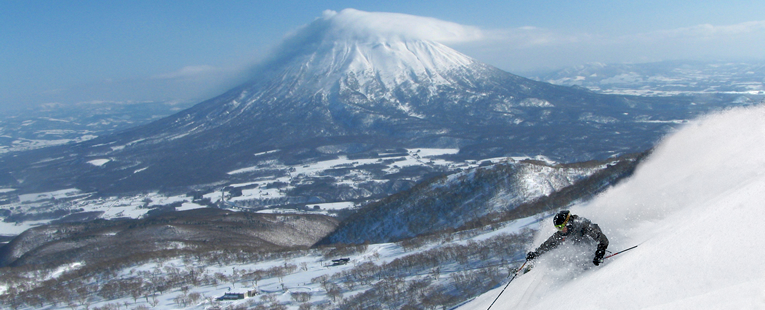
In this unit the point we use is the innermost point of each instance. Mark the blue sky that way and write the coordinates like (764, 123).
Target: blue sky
(73, 51)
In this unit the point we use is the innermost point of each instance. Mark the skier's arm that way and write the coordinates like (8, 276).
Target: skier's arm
(594, 232)
(555, 240)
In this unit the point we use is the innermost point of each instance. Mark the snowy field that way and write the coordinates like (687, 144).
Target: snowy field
(695, 208)
(414, 157)
(136, 206)
(21, 144)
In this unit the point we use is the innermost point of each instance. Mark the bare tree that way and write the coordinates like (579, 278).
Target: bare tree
(334, 291)
(195, 274)
(305, 306)
(290, 268)
(221, 277)
(301, 296)
(83, 296)
(110, 290)
(135, 287)
(436, 273)
(256, 275)
(349, 283)
(181, 300)
(195, 297)
(277, 306)
(154, 301)
(278, 271)
(323, 280)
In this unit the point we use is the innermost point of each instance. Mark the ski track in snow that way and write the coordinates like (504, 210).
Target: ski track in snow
(696, 209)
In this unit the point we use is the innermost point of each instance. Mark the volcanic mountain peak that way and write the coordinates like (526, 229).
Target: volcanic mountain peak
(364, 51)
(390, 63)
(352, 66)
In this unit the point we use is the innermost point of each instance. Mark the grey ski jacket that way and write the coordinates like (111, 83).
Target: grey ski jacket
(579, 230)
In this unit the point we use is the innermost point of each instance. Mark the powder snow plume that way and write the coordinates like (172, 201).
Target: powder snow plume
(697, 209)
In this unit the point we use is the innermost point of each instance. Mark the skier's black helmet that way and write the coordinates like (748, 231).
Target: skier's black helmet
(561, 219)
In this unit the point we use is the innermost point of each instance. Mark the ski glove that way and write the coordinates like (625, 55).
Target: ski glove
(531, 255)
(598, 257)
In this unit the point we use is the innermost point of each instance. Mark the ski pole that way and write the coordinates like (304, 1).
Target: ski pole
(508, 283)
(622, 251)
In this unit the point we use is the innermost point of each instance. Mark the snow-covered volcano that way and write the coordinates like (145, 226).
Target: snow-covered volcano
(695, 210)
(351, 74)
(346, 52)
(357, 82)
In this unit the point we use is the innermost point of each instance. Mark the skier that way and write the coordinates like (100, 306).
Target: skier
(576, 229)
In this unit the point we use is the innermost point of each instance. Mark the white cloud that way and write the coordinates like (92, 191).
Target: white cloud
(530, 36)
(533, 48)
(361, 25)
(708, 31)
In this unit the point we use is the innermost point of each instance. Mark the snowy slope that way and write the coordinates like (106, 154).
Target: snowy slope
(696, 208)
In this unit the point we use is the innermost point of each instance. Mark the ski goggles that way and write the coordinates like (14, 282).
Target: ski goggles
(562, 225)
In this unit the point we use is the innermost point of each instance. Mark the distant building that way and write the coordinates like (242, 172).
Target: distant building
(340, 261)
(231, 296)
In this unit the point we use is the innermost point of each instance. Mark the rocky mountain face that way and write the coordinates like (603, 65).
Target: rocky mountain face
(333, 89)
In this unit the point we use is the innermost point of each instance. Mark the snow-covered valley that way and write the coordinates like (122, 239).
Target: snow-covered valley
(270, 194)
